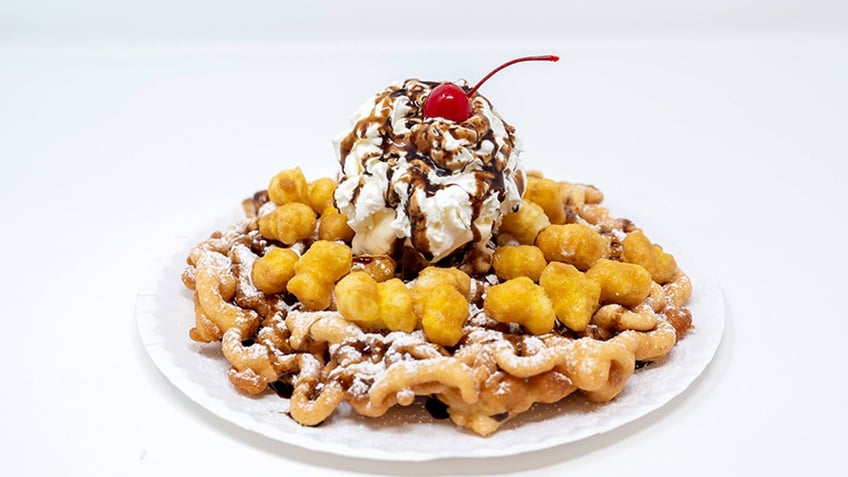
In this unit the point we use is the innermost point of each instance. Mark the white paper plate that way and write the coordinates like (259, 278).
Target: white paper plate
(164, 312)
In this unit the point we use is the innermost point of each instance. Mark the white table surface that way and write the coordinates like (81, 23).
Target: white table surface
(734, 146)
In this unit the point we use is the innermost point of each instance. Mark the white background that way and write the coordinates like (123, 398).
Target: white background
(723, 124)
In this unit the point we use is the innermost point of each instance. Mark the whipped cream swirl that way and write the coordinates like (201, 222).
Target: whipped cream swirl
(428, 183)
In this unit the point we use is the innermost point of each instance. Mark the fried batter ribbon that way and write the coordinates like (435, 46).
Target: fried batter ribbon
(215, 287)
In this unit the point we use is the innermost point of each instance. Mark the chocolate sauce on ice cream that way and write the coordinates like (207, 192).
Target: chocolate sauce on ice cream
(438, 186)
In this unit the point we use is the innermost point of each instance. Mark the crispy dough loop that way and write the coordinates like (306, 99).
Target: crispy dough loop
(313, 401)
(204, 331)
(678, 290)
(599, 368)
(526, 366)
(657, 298)
(595, 367)
(419, 349)
(275, 335)
(410, 378)
(503, 397)
(444, 370)
(215, 286)
(581, 194)
(220, 242)
(320, 328)
(256, 358)
(615, 317)
(649, 346)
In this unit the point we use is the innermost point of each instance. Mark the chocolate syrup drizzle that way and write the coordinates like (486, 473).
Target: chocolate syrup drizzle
(423, 147)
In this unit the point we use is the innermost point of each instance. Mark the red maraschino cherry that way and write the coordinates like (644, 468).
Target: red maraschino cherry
(451, 102)
(447, 101)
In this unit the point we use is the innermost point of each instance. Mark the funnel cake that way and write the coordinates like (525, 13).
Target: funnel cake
(607, 320)
(436, 272)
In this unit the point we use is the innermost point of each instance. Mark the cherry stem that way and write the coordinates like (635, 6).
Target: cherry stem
(509, 63)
